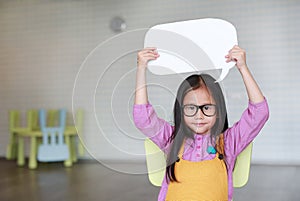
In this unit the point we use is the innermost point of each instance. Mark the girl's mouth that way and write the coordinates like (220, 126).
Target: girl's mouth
(199, 124)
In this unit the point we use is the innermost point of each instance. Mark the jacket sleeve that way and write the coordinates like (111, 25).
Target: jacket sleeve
(147, 121)
(239, 136)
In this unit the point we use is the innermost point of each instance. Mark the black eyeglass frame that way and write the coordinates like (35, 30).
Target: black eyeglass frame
(201, 108)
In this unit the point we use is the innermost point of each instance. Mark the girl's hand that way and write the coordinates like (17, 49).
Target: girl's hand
(145, 55)
(237, 55)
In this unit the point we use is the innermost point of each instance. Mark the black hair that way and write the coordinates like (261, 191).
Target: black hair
(181, 131)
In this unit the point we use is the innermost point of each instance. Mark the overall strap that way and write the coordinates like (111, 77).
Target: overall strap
(220, 144)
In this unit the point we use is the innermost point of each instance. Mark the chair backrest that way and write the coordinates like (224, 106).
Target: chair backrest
(79, 121)
(242, 167)
(14, 119)
(56, 149)
(156, 165)
(32, 120)
(52, 117)
(46, 129)
(156, 162)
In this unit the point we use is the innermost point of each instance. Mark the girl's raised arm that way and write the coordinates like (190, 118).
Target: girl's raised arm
(238, 55)
(143, 57)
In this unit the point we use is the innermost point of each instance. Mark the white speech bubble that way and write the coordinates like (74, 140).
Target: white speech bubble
(192, 46)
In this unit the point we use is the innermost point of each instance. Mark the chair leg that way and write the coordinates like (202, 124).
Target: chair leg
(68, 162)
(20, 157)
(74, 154)
(11, 151)
(33, 153)
(81, 149)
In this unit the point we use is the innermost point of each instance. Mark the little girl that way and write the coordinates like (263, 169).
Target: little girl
(201, 148)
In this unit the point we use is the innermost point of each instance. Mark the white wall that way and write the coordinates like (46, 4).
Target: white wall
(44, 45)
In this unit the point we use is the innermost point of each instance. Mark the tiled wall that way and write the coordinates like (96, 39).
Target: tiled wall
(46, 45)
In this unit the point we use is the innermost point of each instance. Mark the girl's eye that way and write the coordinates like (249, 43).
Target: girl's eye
(206, 107)
(191, 107)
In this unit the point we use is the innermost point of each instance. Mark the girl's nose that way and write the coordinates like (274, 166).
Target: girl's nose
(199, 115)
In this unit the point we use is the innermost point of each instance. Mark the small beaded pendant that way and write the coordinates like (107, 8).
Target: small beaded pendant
(211, 150)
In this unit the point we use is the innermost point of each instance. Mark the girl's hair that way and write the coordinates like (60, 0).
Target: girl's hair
(181, 131)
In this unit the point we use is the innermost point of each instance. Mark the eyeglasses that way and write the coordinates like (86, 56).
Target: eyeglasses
(191, 110)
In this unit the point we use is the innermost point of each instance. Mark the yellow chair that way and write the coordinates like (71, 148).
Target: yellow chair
(14, 126)
(156, 165)
(52, 117)
(13, 148)
(242, 167)
(32, 131)
(79, 128)
(71, 133)
(15, 129)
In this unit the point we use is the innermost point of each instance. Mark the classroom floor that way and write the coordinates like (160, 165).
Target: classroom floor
(91, 181)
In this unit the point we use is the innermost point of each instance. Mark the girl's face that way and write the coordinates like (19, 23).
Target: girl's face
(199, 123)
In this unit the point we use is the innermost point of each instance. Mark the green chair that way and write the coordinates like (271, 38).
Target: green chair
(15, 148)
(79, 129)
(71, 134)
(242, 167)
(32, 131)
(14, 126)
(52, 117)
(156, 164)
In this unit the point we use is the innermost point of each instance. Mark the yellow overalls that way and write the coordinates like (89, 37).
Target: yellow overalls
(203, 180)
